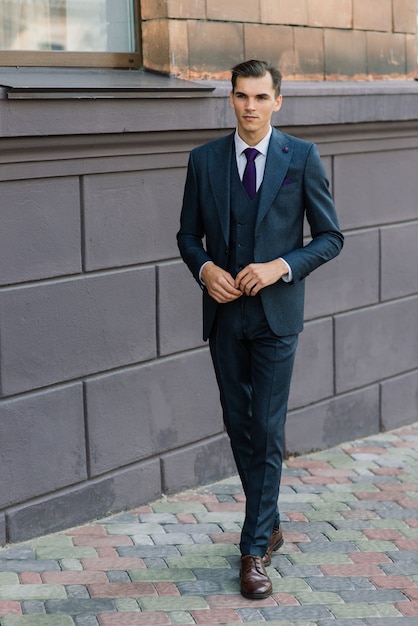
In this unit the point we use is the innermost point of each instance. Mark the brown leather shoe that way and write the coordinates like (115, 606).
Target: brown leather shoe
(255, 583)
(276, 542)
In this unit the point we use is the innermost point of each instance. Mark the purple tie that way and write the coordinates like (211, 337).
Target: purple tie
(249, 178)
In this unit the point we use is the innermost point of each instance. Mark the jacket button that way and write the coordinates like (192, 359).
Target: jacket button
(226, 250)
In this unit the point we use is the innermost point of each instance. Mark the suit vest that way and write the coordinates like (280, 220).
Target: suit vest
(242, 224)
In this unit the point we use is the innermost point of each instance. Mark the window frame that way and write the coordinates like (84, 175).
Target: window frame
(63, 58)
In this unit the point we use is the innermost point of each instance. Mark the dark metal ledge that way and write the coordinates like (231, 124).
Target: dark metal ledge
(66, 83)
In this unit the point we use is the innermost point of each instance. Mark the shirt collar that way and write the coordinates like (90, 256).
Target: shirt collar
(262, 146)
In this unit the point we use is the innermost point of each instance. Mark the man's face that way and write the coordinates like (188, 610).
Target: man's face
(254, 101)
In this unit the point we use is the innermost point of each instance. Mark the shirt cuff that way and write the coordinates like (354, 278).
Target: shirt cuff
(287, 278)
(201, 270)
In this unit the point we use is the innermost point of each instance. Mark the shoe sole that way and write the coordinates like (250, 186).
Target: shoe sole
(257, 596)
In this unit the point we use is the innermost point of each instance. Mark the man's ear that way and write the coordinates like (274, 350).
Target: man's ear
(231, 99)
(278, 104)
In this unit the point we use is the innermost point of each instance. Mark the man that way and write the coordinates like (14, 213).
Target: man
(250, 207)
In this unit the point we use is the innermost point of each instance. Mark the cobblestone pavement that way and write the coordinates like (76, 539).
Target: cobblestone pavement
(350, 522)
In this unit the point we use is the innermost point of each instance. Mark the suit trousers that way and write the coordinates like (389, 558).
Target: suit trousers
(253, 368)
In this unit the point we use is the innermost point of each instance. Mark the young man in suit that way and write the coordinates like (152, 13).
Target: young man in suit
(247, 194)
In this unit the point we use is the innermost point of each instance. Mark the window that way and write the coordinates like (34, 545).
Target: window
(77, 33)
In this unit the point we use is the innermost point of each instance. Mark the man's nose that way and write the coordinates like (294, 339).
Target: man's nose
(250, 104)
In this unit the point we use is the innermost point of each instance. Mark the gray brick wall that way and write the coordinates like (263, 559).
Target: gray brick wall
(108, 398)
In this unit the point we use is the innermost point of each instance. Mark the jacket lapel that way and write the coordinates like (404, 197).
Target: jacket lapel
(277, 163)
(219, 170)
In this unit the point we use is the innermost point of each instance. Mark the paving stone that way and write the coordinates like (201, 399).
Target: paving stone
(188, 603)
(336, 583)
(31, 592)
(296, 613)
(71, 564)
(161, 575)
(388, 621)
(155, 563)
(126, 605)
(342, 547)
(200, 588)
(171, 539)
(215, 549)
(318, 559)
(37, 620)
(9, 578)
(28, 566)
(249, 615)
(364, 610)
(180, 617)
(118, 577)
(371, 597)
(135, 529)
(158, 518)
(77, 591)
(193, 529)
(80, 606)
(148, 551)
(86, 620)
(17, 552)
(318, 597)
(33, 607)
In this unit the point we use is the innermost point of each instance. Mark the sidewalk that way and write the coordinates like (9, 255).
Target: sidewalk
(350, 522)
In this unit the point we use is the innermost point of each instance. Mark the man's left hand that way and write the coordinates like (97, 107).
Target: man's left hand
(256, 276)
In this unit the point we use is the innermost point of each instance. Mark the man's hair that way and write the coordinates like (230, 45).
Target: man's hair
(256, 69)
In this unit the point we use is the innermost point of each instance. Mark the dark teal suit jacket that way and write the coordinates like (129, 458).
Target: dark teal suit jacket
(295, 185)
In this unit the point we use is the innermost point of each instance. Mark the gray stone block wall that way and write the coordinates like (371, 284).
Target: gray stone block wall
(108, 398)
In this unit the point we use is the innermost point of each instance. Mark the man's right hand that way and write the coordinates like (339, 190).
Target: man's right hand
(219, 283)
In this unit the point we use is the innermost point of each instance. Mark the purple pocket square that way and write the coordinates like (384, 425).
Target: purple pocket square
(287, 181)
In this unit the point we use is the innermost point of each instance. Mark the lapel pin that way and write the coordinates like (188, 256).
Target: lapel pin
(285, 149)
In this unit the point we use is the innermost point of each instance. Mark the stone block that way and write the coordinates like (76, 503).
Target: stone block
(138, 413)
(405, 16)
(411, 55)
(186, 9)
(42, 444)
(399, 400)
(376, 343)
(372, 15)
(126, 489)
(60, 331)
(275, 42)
(284, 12)
(313, 376)
(232, 11)
(340, 64)
(40, 233)
(179, 309)
(179, 49)
(399, 260)
(156, 45)
(205, 58)
(129, 217)
(330, 14)
(386, 54)
(309, 53)
(320, 426)
(367, 187)
(152, 9)
(202, 463)
(349, 281)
